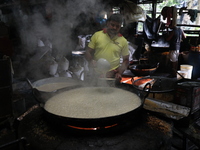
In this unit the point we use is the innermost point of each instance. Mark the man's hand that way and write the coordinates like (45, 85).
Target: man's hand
(93, 63)
(118, 76)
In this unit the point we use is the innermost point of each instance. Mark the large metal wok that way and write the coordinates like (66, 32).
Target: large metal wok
(143, 69)
(43, 94)
(99, 122)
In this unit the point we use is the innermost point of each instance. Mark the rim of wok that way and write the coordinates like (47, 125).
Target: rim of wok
(94, 122)
(134, 67)
(151, 69)
(44, 81)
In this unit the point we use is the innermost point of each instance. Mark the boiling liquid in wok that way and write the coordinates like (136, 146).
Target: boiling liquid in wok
(92, 102)
(50, 87)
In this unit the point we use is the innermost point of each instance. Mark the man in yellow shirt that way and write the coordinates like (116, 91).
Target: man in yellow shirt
(110, 45)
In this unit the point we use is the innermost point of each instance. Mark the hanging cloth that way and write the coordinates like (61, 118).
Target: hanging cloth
(169, 13)
(193, 14)
(151, 27)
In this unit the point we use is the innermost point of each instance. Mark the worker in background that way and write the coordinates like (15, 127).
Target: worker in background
(110, 45)
(175, 38)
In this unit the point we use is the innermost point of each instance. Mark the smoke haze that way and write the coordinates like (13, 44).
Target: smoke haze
(33, 23)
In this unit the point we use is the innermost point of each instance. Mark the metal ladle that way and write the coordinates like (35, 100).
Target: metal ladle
(103, 66)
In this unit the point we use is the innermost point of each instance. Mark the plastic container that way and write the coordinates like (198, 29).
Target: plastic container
(187, 68)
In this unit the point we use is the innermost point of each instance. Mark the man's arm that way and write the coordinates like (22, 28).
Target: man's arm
(89, 55)
(183, 35)
(123, 67)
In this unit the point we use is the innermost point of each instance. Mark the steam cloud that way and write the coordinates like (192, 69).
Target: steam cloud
(32, 23)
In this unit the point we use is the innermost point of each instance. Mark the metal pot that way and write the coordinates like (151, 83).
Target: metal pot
(97, 123)
(43, 95)
(143, 69)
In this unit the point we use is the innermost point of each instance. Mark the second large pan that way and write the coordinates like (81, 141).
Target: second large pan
(45, 88)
